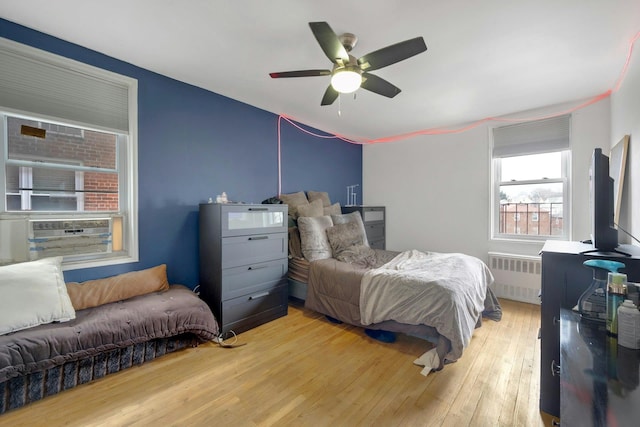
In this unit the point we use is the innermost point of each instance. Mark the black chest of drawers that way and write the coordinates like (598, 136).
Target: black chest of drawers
(564, 279)
(243, 263)
(599, 382)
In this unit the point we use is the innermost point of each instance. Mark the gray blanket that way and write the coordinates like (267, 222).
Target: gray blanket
(447, 291)
(107, 327)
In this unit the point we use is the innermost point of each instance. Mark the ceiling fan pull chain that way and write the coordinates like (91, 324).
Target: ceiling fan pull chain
(339, 106)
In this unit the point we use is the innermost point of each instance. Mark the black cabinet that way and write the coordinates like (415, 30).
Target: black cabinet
(374, 223)
(564, 279)
(243, 263)
(599, 377)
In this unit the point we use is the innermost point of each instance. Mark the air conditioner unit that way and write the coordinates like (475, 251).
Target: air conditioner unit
(60, 237)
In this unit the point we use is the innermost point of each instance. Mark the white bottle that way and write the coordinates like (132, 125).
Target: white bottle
(629, 325)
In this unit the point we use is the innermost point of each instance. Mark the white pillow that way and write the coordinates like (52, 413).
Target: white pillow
(33, 293)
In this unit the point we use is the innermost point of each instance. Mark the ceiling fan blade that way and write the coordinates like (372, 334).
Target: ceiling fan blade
(330, 95)
(301, 73)
(392, 54)
(379, 85)
(329, 42)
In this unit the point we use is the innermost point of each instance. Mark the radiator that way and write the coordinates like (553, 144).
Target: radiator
(517, 277)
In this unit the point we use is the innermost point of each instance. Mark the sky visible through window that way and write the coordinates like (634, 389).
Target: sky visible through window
(535, 166)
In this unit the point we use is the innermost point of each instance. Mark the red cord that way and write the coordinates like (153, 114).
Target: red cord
(444, 131)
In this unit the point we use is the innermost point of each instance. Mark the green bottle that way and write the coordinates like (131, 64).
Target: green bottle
(616, 292)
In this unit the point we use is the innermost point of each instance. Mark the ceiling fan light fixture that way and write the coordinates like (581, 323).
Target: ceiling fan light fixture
(346, 79)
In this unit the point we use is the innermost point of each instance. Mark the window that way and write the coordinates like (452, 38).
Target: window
(68, 150)
(530, 180)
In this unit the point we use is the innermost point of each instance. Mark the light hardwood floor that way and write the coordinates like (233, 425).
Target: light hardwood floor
(301, 370)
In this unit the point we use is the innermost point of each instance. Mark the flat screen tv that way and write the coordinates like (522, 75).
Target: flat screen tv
(604, 234)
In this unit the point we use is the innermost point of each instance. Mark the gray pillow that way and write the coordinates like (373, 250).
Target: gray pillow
(313, 237)
(344, 236)
(359, 254)
(352, 217)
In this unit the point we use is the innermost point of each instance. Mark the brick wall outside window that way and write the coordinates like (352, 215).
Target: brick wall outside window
(71, 145)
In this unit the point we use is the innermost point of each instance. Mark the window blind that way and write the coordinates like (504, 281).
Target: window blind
(35, 81)
(541, 136)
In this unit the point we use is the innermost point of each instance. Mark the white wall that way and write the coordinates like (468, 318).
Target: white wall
(625, 120)
(437, 189)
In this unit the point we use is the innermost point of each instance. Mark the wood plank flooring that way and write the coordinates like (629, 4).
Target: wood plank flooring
(301, 370)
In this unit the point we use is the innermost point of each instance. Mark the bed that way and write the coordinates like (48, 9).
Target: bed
(438, 297)
(122, 321)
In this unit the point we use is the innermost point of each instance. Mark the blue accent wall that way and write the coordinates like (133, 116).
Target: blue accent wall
(194, 144)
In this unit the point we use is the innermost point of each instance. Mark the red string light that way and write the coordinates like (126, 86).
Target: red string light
(446, 131)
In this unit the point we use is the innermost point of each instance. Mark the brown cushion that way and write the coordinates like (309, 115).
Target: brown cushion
(294, 200)
(311, 209)
(295, 246)
(93, 293)
(334, 209)
(319, 195)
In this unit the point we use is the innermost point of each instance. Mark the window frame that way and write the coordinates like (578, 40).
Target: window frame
(496, 184)
(15, 222)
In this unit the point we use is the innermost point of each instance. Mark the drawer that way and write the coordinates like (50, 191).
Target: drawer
(245, 312)
(377, 244)
(373, 214)
(238, 281)
(374, 232)
(247, 250)
(243, 220)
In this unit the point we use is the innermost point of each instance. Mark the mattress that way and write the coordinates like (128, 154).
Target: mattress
(102, 339)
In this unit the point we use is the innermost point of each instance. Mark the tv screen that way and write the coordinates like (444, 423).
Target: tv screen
(604, 235)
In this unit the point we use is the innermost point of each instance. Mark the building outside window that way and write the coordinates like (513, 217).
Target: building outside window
(66, 169)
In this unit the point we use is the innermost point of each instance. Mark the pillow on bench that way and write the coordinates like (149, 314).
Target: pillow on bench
(93, 293)
(33, 293)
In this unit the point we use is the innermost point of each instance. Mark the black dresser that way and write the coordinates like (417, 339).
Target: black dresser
(564, 279)
(374, 223)
(599, 378)
(243, 263)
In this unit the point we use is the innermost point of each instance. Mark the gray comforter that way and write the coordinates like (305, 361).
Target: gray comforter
(445, 291)
(107, 327)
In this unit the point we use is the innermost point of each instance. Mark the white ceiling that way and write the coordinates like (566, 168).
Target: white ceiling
(484, 58)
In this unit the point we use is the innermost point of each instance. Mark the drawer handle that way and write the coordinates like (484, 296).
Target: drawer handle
(555, 320)
(555, 422)
(258, 209)
(555, 368)
(257, 268)
(264, 294)
(258, 238)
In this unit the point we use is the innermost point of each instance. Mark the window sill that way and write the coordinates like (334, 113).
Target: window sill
(103, 262)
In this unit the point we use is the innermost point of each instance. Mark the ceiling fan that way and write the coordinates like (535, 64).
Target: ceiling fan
(349, 73)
